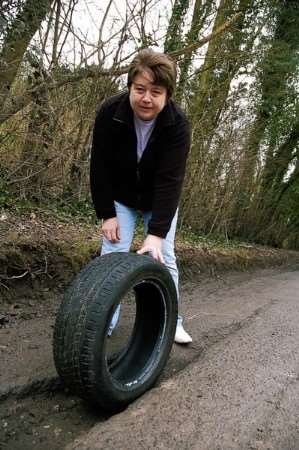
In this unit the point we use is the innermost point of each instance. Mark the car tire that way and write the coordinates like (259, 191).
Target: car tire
(80, 332)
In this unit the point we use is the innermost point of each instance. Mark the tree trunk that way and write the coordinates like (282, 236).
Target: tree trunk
(19, 35)
(173, 39)
(200, 11)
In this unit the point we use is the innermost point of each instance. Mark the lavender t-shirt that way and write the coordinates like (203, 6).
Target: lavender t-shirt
(144, 130)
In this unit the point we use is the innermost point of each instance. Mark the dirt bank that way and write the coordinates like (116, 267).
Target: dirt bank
(39, 252)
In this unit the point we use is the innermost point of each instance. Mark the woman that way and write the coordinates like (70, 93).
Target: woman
(141, 140)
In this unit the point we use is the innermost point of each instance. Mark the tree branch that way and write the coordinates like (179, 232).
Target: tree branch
(192, 47)
(23, 100)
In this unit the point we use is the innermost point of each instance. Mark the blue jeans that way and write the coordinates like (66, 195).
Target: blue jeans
(127, 220)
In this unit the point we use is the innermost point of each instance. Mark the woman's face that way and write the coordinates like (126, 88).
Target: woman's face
(146, 98)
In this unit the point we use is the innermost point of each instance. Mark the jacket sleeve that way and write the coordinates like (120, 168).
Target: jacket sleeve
(169, 178)
(100, 170)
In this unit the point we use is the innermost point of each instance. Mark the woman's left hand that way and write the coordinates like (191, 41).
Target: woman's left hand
(153, 245)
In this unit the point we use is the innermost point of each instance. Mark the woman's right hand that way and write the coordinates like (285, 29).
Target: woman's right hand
(110, 229)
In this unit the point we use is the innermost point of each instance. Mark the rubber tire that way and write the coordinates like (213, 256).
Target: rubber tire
(82, 322)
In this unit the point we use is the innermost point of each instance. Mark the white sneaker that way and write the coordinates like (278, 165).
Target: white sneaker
(181, 336)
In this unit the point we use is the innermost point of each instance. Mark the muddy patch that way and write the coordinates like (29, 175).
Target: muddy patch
(48, 421)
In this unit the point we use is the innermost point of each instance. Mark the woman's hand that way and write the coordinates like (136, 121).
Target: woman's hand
(153, 245)
(110, 229)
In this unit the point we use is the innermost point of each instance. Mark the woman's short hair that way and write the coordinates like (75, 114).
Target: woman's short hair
(161, 66)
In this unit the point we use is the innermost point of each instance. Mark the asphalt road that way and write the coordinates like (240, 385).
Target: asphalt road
(241, 388)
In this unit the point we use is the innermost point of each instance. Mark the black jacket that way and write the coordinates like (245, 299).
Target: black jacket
(155, 183)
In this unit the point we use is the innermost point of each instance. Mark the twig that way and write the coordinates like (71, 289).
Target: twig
(14, 276)
(4, 285)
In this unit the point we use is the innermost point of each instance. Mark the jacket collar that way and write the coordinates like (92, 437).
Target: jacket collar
(124, 113)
